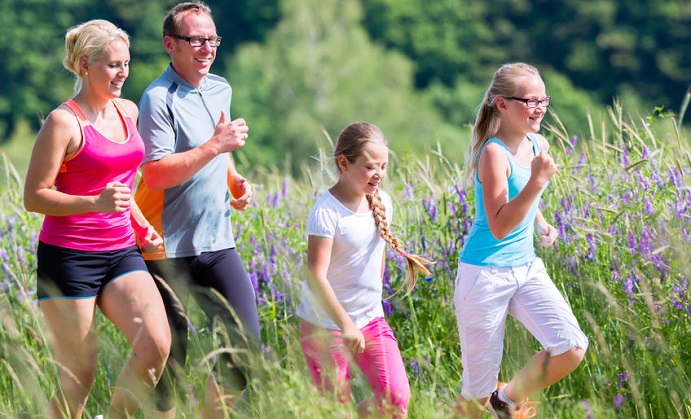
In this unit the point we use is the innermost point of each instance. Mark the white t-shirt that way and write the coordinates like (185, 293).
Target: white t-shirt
(356, 261)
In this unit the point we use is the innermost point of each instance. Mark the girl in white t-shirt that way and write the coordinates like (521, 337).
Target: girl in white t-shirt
(341, 308)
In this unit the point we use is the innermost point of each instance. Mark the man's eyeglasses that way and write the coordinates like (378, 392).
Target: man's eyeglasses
(533, 103)
(198, 41)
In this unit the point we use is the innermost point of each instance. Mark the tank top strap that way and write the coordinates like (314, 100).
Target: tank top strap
(83, 121)
(121, 109)
(491, 140)
(536, 144)
(77, 111)
(496, 140)
(124, 116)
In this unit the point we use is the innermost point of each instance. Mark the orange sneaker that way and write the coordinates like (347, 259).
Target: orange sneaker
(502, 410)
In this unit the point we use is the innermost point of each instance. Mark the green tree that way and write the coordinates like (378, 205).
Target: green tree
(143, 21)
(614, 46)
(449, 38)
(319, 71)
(32, 47)
(607, 47)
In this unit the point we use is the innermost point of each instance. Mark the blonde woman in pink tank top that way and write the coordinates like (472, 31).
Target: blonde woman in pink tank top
(80, 177)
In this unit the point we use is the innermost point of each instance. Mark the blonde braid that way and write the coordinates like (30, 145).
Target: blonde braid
(415, 262)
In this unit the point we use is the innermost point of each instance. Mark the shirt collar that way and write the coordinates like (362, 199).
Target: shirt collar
(174, 76)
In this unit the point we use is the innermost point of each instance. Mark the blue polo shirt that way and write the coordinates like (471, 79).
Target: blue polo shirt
(175, 117)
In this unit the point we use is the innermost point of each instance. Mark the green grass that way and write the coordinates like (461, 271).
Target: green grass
(621, 201)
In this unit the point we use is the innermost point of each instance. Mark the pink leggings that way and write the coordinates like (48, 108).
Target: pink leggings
(327, 360)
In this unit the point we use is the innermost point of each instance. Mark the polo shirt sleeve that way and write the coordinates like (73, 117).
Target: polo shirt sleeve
(156, 125)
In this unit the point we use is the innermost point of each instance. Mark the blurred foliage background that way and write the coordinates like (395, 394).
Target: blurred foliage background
(303, 69)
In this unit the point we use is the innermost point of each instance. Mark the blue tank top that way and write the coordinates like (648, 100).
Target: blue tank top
(481, 247)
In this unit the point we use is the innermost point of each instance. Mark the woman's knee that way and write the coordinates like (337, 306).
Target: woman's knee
(153, 350)
(79, 377)
(162, 343)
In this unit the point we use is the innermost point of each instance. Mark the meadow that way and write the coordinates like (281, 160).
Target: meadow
(621, 202)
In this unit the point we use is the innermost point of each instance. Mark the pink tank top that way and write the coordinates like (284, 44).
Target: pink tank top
(98, 161)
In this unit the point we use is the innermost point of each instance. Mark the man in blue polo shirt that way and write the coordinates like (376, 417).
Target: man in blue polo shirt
(187, 176)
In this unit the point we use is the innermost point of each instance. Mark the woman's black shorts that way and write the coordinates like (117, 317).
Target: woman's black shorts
(73, 273)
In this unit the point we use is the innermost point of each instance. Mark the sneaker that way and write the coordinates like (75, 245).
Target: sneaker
(501, 409)
(523, 410)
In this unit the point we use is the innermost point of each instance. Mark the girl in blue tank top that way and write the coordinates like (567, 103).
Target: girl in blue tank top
(498, 272)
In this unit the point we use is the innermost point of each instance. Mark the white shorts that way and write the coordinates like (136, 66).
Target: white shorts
(484, 295)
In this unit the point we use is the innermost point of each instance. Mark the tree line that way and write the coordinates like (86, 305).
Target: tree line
(303, 69)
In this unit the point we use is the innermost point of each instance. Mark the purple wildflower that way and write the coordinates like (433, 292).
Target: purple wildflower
(649, 209)
(190, 388)
(625, 156)
(574, 140)
(588, 412)
(430, 207)
(591, 251)
(628, 287)
(674, 177)
(414, 366)
(284, 192)
(617, 401)
(9, 273)
(642, 180)
(386, 279)
(632, 244)
(20, 257)
(386, 305)
(628, 195)
(409, 193)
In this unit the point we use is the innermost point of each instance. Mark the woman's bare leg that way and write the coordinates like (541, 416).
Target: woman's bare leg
(133, 303)
(71, 326)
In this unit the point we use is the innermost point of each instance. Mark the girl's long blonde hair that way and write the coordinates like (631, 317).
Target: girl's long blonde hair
(504, 83)
(351, 143)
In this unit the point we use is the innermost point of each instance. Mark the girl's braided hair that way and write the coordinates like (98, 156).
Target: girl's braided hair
(351, 142)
